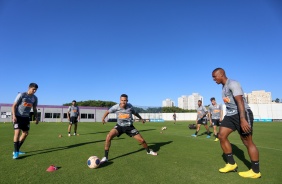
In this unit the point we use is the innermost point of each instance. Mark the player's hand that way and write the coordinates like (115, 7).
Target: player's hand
(245, 126)
(103, 121)
(143, 121)
(14, 120)
(36, 122)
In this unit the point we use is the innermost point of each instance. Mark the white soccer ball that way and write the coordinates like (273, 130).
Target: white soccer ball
(93, 162)
(164, 128)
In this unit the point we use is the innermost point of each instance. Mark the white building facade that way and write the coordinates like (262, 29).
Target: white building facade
(167, 103)
(259, 97)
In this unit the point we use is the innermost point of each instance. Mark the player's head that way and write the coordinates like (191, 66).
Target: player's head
(219, 76)
(123, 100)
(199, 103)
(213, 101)
(73, 102)
(32, 88)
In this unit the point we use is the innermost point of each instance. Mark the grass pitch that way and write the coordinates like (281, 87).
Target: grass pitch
(181, 159)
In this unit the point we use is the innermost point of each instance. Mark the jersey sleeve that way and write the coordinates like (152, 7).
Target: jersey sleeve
(236, 88)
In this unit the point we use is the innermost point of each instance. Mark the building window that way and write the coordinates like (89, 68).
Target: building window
(90, 116)
(83, 116)
(48, 115)
(65, 115)
(56, 115)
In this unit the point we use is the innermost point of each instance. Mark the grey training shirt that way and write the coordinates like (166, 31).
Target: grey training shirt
(124, 116)
(231, 89)
(215, 111)
(24, 104)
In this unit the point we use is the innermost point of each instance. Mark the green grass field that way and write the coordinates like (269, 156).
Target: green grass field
(181, 159)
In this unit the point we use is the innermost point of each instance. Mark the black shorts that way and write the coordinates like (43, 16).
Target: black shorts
(73, 120)
(22, 123)
(129, 130)
(202, 121)
(216, 122)
(233, 122)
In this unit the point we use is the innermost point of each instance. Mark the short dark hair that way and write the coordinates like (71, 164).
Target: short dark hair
(212, 98)
(33, 85)
(199, 100)
(124, 95)
(74, 101)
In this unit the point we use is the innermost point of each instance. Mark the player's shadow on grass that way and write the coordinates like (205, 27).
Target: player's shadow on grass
(155, 146)
(239, 154)
(146, 130)
(95, 133)
(48, 150)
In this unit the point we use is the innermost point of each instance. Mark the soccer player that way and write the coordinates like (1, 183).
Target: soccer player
(21, 123)
(124, 111)
(238, 117)
(174, 117)
(201, 119)
(73, 116)
(215, 115)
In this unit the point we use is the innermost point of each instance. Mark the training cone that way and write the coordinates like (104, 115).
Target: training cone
(52, 168)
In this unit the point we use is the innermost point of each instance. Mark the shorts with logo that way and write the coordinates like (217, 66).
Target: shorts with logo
(202, 121)
(73, 120)
(233, 122)
(22, 123)
(129, 130)
(216, 122)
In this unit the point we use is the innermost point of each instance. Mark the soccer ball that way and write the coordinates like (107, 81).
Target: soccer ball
(93, 162)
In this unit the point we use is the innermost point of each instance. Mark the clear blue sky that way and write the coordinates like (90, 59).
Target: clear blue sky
(149, 49)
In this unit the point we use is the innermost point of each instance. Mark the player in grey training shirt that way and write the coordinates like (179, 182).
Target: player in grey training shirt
(73, 117)
(124, 112)
(238, 117)
(21, 108)
(201, 119)
(215, 115)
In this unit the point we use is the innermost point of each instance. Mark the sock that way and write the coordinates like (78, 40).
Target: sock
(148, 150)
(196, 133)
(215, 135)
(255, 166)
(106, 153)
(20, 144)
(229, 158)
(69, 132)
(16, 146)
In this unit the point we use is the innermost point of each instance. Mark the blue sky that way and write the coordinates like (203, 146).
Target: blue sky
(149, 49)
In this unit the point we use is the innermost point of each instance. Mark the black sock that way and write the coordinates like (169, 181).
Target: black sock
(229, 158)
(215, 135)
(255, 166)
(20, 144)
(16, 146)
(196, 132)
(106, 153)
(147, 149)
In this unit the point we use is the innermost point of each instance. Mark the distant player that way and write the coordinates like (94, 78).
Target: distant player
(174, 117)
(238, 117)
(201, 119)
(215, 115)
(20, 110)
(124, 112)
(73, 117)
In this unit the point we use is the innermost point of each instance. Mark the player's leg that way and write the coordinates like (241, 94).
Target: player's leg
(22, 139)
(16, 141)
(141, 140)
(197, 129)
(227, 150)
(253, 152)
(113, 133)
(208, 130)
(75, 128)
(69, 128)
